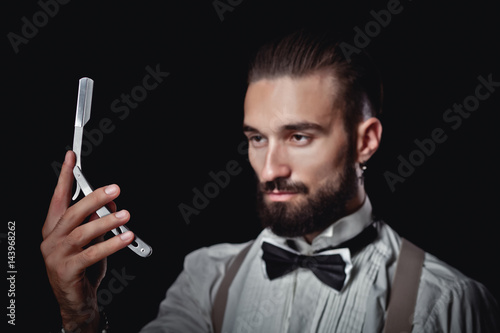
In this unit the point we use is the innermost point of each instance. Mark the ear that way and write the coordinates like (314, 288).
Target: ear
(369, 135)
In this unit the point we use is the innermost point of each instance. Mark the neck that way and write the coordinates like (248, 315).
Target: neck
(351, 206)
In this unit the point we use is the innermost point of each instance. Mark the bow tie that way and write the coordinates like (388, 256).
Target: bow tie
(332, 267)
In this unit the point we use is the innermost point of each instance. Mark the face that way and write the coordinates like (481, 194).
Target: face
(299, 150)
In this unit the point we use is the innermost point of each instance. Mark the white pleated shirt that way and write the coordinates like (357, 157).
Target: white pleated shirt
(298, 302)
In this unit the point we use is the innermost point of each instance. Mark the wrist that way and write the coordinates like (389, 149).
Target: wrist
(90, 322)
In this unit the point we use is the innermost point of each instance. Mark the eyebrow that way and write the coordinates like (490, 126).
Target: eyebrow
(247, 128)
(301, 126)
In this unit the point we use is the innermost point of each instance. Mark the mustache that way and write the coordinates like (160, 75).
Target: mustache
(283, 184)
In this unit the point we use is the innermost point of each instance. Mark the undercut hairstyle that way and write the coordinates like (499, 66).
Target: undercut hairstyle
(359, 90)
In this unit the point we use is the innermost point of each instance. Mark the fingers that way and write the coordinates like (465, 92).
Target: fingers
(72, 244)
(75, 215)
(62, 194)
(111, 207)
(67, 248)
(84, 234)
(99, 251)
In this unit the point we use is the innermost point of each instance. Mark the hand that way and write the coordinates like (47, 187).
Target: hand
(75, 253)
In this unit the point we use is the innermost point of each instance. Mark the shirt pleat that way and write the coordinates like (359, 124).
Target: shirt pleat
(299, 302)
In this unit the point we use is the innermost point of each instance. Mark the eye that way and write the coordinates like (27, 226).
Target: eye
(257, 140)
(300, 139)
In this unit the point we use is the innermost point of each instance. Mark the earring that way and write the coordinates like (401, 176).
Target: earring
(361, 178)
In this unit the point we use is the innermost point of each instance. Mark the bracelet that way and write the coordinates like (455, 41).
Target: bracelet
(103, 323)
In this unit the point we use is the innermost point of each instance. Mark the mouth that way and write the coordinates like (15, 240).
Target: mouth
(280, 196)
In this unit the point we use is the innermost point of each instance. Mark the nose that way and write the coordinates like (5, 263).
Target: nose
(275, 164)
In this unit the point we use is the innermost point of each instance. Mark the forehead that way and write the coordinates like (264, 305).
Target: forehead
(272, 103)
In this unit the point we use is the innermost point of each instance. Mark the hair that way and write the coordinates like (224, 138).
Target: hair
(359, 90)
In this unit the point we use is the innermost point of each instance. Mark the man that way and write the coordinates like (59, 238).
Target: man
(310, 119)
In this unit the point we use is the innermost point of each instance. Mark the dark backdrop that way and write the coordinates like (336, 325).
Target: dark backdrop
(168, 143)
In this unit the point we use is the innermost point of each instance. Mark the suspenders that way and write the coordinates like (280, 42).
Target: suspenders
(404, 289)
(219, 306)
(402, 300)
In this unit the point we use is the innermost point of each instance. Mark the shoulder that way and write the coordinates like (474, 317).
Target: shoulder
(448, 300)
(188, 302)
(453, 302)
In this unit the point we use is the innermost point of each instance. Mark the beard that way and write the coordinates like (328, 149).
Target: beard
(320, 209)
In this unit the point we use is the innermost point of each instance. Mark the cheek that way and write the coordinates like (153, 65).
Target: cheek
(256, 160)
(315, 172)
(318, 166)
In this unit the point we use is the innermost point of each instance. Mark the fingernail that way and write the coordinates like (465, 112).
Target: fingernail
(126, 236)
(111, 189)
(121, 214)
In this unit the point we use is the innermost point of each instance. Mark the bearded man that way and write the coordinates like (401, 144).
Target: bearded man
(321, 263)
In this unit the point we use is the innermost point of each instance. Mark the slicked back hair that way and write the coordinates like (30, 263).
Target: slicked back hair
(359, 89)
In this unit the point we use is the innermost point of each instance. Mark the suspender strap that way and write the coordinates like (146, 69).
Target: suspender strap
(219, 306)
(402, 300)
(404, 289)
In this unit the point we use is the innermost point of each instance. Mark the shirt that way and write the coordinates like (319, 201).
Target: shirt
(447, 300)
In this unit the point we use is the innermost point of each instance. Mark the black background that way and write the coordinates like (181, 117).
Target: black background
(430, 56)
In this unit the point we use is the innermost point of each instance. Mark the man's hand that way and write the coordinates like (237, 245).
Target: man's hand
(75, 253)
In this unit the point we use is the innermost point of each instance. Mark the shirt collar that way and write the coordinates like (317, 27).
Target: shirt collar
(338, 232)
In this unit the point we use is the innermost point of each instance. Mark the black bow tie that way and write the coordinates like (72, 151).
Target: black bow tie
(328, 268)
